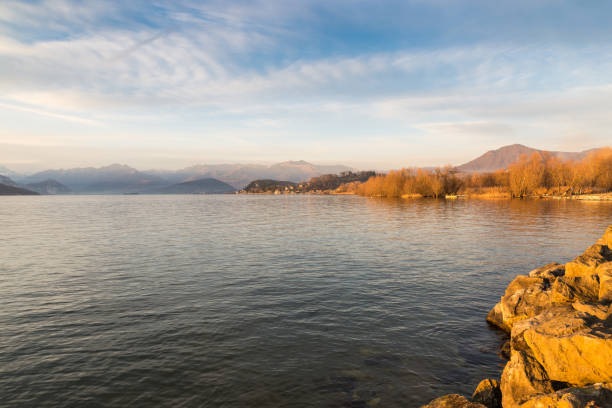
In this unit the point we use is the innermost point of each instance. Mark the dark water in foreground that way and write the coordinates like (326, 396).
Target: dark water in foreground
(263, 301)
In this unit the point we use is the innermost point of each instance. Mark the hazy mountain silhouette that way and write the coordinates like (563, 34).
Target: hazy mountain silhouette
(200, 186)
(7, 181)
(48, 187)
(115, 178)
(239, 175)
(8, 172)
(44, 187)
(118, 178)
(504, 156)
(12, 190)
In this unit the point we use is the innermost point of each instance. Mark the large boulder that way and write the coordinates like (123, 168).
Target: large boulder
(568, 289)
(488, 393)
(593, 396)
(569, 343)
(587, 263)
(563, 346)
(452, 401)
(575, 348)
(523, 377)
(517, 341)
(525, 297)
(584, 275)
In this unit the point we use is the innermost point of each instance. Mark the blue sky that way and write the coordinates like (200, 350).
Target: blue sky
(371, 84)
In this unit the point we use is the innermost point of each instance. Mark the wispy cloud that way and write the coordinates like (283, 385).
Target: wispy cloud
(140, 44)
(179, 69)
(69, 118)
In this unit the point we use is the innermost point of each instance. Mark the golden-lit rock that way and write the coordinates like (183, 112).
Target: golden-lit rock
(587, 263)
(596, 310)
(606, 239)
(488, 393)
(550, 271)
(567, 289)
(593, 396)
(604, 273)
(496, 317)
(517, 341)
(523, 377)
(525, 297)
(575, 348)
(452, 401)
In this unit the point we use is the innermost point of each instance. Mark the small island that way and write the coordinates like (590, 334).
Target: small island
(559, 322)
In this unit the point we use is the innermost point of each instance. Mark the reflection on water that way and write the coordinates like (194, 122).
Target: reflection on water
(263, 301)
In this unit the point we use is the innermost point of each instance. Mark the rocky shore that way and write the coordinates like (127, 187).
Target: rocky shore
(559, 318)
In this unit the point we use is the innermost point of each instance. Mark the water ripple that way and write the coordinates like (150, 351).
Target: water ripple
(231, 301)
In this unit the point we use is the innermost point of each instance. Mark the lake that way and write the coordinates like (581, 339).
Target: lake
(263, 301)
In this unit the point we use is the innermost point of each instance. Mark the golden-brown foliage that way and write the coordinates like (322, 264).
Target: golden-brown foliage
(526, 175)
(412, 182)
(538, 174)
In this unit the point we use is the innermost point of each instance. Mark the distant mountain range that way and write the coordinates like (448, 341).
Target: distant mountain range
(118, 178)
(503, 157)
(9, 187)
(115, 178)
(239, 175)
(53, 187)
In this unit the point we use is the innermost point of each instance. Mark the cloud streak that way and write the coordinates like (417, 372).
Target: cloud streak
(69, 118)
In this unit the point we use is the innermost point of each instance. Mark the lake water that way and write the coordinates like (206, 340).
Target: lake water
(263, 301)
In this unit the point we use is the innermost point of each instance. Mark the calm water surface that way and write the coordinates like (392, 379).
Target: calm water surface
(263, 301)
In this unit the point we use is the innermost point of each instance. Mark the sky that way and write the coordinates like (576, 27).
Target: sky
(370, 84)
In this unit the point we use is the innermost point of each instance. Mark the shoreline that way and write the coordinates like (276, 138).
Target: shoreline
(580, 197)
(559, 322)
(296, 193)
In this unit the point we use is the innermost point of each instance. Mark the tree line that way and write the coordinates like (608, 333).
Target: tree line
(323, 183)
(538, 174)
